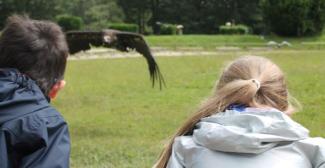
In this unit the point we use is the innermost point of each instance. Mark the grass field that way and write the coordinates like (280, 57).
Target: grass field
(117, 120)
(242, 41)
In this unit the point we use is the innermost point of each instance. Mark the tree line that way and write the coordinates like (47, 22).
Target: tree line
(283, 17)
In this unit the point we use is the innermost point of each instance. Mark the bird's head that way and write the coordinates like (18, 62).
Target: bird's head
(108, 39)
(109, 36)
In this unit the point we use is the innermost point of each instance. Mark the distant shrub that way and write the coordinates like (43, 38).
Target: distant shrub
(168, 29)
(234, 29)
(124, 27)
(68, 22)
(148, 31)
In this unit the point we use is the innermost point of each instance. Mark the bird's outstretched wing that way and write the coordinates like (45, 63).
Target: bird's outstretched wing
(133, 41)
(81, 40)
(123, 41)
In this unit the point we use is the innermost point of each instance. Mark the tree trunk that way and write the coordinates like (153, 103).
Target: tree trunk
(154, 18)
(139, 20)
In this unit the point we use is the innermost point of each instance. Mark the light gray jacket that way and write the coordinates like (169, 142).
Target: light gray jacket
(253, 138)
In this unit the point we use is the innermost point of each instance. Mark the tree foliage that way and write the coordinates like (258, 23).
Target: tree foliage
(38, 9)
(136, 11)
(95, 13)
(205, 16)
(294, 17)
(284, 17)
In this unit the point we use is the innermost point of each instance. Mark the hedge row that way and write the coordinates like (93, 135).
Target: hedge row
(168, 29)
(123, 27)
(235, 29)
(68, 22)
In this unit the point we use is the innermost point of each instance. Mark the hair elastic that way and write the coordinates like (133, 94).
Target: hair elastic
(257, 82)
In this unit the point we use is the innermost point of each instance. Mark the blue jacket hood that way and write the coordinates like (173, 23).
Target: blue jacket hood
(19, 95)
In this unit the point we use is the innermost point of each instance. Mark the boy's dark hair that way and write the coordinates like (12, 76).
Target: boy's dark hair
(36, 48)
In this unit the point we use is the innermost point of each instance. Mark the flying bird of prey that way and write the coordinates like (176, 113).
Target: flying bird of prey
(122, 41)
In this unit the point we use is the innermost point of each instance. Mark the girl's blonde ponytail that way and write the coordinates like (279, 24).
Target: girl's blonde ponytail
(253, 81)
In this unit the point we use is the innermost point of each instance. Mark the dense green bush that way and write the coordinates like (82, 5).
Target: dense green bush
(234, 29)
(124, 27)
(168, 29)
(148, 30)
(294, 17)
(68, 22)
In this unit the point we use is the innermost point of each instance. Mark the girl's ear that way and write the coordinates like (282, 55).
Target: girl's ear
(56, 88)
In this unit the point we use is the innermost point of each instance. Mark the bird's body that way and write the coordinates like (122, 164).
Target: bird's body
(122, 41)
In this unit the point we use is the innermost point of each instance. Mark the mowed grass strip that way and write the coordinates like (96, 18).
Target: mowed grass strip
(117, 120)
(242, 41)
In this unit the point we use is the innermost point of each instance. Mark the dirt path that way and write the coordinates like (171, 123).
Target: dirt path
(102, 53)
(117, 54)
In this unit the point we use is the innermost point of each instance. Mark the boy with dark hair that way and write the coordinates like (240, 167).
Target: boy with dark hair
(33, 57)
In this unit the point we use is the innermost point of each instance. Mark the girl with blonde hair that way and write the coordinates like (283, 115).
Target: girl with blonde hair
(245, 124)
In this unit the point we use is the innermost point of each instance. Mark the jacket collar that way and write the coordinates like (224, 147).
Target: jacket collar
(19, 95)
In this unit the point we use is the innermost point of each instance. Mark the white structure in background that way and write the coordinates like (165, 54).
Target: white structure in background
(285, 44)
(274, 44)
(228, 24)
(179, 29)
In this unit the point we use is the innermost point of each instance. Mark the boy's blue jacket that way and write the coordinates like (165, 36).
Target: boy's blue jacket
(32, 133)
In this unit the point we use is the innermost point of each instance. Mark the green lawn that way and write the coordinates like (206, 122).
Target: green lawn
(242, 41)
(117, 120)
